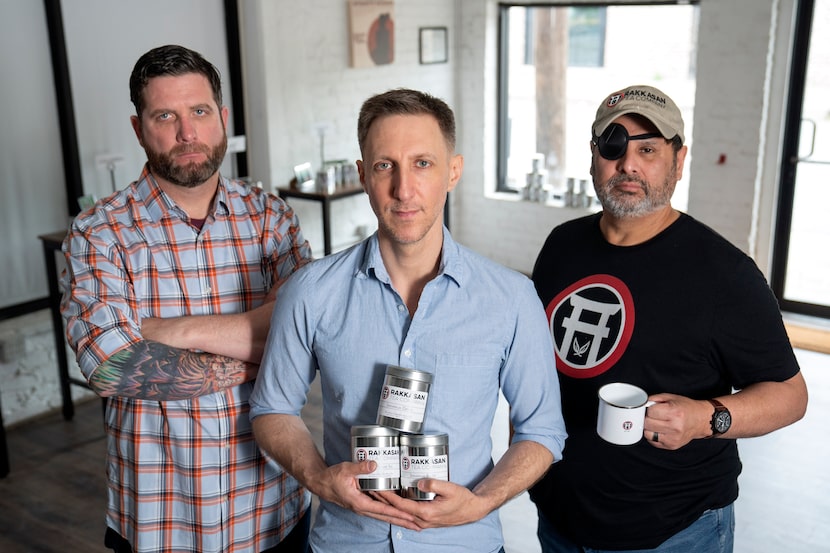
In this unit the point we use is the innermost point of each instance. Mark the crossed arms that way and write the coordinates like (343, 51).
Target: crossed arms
(187, 357)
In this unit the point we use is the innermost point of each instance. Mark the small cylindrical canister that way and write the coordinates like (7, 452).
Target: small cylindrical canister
(380, 444)
(423, 456)
(403, 399)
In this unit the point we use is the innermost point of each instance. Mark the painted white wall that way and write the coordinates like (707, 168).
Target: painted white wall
(33, 189)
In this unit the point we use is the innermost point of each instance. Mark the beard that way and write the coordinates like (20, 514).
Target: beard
(163, 165)
(625, 205)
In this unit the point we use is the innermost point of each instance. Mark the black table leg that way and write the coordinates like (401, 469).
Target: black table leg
(57, 327)
(4, 448)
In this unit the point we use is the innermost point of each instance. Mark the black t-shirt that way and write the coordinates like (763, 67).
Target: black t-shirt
(684, 313)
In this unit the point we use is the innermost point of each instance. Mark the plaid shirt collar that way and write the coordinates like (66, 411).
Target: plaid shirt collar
(160, 205)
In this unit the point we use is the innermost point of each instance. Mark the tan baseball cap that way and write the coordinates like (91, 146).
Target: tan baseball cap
(644, 100)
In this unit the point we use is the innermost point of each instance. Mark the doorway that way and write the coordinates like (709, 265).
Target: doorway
(800, 274)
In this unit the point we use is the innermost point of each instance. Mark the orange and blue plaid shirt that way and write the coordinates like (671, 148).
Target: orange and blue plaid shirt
(182, 475)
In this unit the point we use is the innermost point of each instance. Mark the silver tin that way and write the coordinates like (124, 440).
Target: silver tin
(380, 444)
(403, 399)
(423, 456)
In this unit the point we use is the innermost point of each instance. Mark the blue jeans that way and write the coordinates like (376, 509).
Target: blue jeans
(713, 532)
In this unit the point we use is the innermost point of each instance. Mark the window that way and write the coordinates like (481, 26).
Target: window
(586, 37)
(557, 62)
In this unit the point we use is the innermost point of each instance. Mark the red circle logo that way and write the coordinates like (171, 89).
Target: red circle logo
(591, 323)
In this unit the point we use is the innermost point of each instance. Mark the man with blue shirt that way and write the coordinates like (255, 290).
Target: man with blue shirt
(410, 296)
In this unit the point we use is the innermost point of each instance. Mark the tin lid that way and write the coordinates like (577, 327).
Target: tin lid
(422, 440)
(373, 430)
(412, 374)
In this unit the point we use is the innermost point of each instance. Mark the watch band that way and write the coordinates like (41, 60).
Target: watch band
(717, 404)
(719, 408)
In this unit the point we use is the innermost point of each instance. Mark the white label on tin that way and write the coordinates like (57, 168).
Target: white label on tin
(415, 468)
(402, 404)
(387, 458)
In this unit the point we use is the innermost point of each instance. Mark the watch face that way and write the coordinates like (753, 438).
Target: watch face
(723, 421)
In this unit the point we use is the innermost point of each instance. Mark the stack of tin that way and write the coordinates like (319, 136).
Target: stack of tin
(403, 455)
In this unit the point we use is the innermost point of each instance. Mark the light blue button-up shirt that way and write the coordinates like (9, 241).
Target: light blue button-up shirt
(479, 328)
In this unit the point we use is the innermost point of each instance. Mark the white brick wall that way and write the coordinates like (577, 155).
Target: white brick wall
(29, 368)
(729, 116)
(741, 94)
(301, 64)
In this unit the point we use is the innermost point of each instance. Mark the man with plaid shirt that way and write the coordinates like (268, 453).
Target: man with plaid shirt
(169, 288)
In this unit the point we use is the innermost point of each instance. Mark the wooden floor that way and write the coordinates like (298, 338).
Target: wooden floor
(54, 497)
(53, 500)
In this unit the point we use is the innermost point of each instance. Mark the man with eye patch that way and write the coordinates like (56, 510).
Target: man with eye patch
(656, 299)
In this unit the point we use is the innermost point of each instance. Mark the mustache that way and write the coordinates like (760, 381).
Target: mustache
(620, 179)
(190, 149)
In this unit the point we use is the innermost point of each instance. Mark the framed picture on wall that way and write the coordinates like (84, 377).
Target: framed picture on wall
(372, 32)
(433, 44)
(305, 179)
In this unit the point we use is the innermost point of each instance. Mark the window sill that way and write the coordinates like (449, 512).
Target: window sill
(583, 205)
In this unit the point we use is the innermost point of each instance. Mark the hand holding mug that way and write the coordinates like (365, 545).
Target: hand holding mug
(677, 420)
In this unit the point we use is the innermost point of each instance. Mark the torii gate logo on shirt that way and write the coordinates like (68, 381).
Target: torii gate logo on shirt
(591, 323)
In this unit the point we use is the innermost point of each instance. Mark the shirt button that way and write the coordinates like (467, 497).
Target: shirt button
(399, 535)
(408, 353)
(401, 308)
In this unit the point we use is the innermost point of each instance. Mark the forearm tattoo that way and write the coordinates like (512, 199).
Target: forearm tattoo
(154, 371)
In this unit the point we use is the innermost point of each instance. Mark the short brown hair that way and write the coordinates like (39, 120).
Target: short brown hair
(171, 60)
(404, 101)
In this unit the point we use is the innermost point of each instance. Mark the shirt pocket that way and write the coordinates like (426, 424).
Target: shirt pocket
(464, 385)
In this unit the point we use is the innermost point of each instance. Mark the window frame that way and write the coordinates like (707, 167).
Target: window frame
(503, 124)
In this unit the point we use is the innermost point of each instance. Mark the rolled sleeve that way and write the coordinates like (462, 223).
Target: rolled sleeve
(529, 380)
(98, 304)
(288, 367)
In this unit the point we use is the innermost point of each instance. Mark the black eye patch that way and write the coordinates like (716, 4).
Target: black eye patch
(613, 142)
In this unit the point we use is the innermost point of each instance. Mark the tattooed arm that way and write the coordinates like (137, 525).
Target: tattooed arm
(154, 371)
(165, 367)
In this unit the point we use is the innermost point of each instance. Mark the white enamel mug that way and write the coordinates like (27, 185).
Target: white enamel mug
(622, 410)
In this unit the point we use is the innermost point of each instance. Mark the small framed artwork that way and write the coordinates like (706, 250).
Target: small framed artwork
(305, 179)
(433, 44)
(372, 32)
